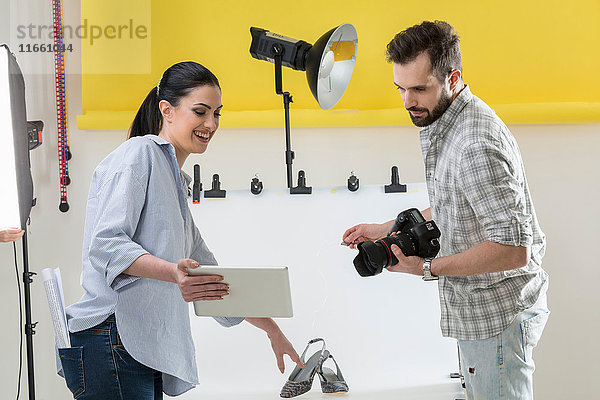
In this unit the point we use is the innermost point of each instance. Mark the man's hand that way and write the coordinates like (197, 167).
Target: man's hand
(11, 235)
(203, 287)
(409, 265)
(363, 232)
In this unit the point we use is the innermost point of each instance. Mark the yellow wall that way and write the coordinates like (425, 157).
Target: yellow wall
(533, 61)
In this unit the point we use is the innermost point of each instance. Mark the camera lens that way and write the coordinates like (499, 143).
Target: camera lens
(377, 254)
(373, 257)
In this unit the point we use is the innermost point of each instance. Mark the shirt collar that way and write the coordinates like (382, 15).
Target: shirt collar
(449, 116)
(186, 178)
(162, 142)
(157, 139)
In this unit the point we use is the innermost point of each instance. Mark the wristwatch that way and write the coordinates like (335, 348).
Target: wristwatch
(427, 276)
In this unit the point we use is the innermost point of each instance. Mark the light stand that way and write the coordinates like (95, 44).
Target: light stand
(287, 99)
(17, 137)
(29, 325)
(328, 64)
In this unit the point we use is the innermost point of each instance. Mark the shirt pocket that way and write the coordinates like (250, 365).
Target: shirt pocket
(444, 186)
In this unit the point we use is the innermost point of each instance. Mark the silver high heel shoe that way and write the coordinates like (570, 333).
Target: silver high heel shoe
(300, 380)
(332, 382)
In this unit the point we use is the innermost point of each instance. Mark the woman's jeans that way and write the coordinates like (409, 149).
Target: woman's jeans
(99, 367)
(501, 367)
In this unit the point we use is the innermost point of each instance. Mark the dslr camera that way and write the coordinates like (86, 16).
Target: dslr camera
(417, 238)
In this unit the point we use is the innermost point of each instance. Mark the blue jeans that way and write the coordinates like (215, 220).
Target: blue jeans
(99, 367)
(501, 367)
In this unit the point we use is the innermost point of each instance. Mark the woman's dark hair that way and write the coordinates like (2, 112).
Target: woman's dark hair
(436, 38)
(175, 83)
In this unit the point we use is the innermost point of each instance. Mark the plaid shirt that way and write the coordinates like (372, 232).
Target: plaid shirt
(478, 192)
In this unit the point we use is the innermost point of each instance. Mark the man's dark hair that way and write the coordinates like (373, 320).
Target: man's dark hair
(436, 38)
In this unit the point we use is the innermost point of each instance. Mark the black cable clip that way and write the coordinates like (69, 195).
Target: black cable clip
(301, 188)
(215, 192)
(30, 329)
(353, 182)
(395, 186)
(27, 277)
(256, 186)
(197, 187)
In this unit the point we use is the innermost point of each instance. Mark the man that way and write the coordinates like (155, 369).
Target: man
(491, 284)
(11, 235)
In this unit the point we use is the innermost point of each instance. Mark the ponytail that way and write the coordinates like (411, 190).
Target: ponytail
(148, 118)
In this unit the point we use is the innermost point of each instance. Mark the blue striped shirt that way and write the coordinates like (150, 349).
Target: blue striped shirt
(137, 204)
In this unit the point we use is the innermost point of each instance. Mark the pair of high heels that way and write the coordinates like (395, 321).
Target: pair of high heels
(300, 380)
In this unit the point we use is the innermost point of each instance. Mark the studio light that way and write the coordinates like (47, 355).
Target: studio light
(328, 63)
(17, 136)
(16, 183)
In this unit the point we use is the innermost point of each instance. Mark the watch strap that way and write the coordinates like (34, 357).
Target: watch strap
(427, 275)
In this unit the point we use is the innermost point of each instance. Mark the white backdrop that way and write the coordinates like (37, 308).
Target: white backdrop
(383, 330)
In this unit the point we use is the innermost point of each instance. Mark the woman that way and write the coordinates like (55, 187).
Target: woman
(130, 332)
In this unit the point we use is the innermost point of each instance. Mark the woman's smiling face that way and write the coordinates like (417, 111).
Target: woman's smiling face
(190, 126)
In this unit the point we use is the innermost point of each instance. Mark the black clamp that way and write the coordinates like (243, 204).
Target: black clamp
(197, 187)
(30, 328)
(215, 192)
(301, 188)
(256, 186)
(395, 186)
(353, 182)
(27, 277)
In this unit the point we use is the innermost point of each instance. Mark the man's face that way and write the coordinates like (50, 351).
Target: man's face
(425, 97)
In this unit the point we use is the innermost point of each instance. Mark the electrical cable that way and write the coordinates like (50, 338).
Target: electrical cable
(20, 324)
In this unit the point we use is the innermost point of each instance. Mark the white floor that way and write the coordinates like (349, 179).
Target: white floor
(448, 391)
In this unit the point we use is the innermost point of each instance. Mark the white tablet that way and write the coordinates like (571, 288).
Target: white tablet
(253, 292)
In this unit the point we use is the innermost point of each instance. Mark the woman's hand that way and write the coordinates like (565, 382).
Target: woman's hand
(11, 235)
(200, 287)
(279, 343)
(363, 232)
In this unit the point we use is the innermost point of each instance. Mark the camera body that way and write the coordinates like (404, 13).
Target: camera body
(417, 237)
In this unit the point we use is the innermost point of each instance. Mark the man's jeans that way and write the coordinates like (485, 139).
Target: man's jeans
(99, 367)
(501, 367)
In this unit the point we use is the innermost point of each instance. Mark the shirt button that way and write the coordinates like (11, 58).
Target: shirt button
(514, 221)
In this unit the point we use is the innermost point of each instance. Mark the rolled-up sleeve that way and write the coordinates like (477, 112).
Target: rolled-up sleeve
(493, 182)
(120, 200)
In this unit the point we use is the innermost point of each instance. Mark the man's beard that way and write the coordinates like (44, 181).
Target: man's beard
(430, 117)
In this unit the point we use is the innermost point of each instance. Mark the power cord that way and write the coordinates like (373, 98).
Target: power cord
(20, 323)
